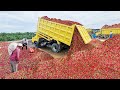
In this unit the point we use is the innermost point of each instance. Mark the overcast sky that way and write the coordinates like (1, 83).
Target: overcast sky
(26, 21)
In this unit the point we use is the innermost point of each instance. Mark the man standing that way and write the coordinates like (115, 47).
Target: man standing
(14, 51)
(94, 35)
(24, 43)
(111, 34)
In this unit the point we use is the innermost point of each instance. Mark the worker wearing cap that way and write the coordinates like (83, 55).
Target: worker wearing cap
(14, 52)
(24, 43)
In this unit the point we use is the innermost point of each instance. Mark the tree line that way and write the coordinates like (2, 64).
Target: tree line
(16, 36)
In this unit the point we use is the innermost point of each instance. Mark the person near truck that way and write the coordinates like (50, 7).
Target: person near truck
(111, 34)
(14, 53)
(24, 43)
(93, 35)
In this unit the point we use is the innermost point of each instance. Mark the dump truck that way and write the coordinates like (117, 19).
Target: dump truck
(104, 33)
(107, 31)
(56, 35)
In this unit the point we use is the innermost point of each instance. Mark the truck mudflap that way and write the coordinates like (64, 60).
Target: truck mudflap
(84, 34)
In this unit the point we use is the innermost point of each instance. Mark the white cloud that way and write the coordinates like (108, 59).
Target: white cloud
(7, 26)
(27, 20)
(11, 16)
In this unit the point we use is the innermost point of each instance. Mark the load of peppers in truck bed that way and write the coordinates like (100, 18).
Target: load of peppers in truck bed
(66, 22)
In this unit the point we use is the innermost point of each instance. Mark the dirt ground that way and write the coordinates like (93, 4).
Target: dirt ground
(48, 50)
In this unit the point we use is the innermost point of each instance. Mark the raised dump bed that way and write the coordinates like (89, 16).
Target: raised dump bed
(114, 31)
(57, 35)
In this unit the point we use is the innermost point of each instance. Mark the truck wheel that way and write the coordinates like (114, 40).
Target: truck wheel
(36, 44)
(42, 44)
(55, 47)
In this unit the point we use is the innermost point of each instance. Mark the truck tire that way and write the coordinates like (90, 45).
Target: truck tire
(42, 43)
(36, 44)
(55, 47)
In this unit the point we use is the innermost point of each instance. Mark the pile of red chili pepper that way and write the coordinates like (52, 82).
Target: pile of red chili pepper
(66, 22)
(95, 60)
(111, 26)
